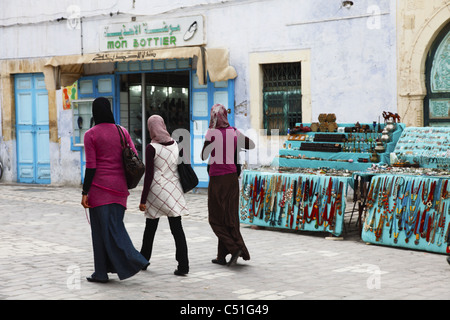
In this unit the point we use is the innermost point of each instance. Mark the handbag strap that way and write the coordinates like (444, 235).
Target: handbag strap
(122, 136)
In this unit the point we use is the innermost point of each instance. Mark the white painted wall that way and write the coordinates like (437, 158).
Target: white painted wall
(353, 56)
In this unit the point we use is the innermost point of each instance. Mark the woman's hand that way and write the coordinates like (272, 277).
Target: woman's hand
(84, 201)
(142, 207)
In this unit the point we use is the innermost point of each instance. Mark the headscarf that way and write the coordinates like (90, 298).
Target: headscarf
(101, 110)
(158, 130)
(219, 117)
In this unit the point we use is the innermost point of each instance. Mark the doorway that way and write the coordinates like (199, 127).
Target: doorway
(170, 88)
(32, 129)
(437, 100)
(145, 94)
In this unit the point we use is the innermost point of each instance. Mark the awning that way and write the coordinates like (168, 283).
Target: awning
(65, 70)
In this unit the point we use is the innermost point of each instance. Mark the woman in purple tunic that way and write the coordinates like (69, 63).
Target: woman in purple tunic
(105, 193)
(221, 143)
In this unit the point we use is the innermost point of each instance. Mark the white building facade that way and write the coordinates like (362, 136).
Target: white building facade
(272, 63)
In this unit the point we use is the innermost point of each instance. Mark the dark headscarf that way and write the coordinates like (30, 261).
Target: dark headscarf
(101, 110)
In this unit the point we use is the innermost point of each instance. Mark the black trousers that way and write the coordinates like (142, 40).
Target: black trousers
(176, 228)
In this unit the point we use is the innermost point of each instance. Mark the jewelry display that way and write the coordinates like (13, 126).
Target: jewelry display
(314, 203)
(408, 211)
(404, 203)
(426, 147)
(350, 146)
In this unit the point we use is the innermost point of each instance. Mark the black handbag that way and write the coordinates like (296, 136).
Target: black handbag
(188, 178)
(133, 166)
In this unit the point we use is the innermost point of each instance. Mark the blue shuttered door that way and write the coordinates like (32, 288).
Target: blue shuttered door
(32, 129)
(92, 87)
(203, 97)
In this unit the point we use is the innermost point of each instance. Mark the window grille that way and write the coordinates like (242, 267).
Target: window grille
(282, 99)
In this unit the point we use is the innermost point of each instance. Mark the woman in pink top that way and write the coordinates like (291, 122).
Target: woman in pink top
(221, 143)
(105, 193)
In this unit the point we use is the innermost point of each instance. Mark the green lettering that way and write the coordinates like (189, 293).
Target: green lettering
(149, 40)
(124, 43)
(135, 43)
(110, 44)
(165, 41)
(156, 41)
(173, 40)
(117, 44)
(142, 42)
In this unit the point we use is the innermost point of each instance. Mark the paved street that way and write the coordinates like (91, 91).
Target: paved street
(46, 253)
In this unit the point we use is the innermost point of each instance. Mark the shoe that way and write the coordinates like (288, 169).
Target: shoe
(448, 260)
(180, 273)
(92, 279)
(222, 262)
(145, 267)
(234, 257)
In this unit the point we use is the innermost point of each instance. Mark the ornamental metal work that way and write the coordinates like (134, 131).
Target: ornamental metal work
(440, 71)
(438, 98)
(282, 99)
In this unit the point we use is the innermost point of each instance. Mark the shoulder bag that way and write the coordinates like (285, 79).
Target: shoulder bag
(134, 167)
(188, 178)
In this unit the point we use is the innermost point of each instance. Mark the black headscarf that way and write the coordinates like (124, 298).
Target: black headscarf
(101, 110)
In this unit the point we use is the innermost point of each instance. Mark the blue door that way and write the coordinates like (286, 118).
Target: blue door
(203, 97)
(89, 88)
(32, 129)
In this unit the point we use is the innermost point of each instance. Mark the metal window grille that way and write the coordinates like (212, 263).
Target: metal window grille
(282, 99)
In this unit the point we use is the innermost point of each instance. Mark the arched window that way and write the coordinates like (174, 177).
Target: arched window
(437, 101)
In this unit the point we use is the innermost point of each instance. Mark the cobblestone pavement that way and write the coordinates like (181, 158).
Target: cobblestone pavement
(46, 253)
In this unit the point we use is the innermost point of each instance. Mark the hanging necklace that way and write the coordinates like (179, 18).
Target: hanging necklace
(300, 211)
(290, 213)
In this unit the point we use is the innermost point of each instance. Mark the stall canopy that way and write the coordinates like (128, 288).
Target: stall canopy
(65, 70)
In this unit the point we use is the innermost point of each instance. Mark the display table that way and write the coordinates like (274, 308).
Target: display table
(293, 201)
(427, 147)
(408, 211)
(349, 153)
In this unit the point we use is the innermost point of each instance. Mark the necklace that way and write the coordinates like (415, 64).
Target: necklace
(428, 194)
(300, 211)
(290, 215)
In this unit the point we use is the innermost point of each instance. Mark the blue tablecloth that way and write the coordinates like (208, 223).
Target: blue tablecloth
(414, 214)
(272, 199)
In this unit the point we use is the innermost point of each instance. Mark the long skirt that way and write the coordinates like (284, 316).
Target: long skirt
(223, 215)
(113, 250)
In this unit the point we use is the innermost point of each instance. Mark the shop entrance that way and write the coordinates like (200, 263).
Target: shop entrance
(32, 129)
(145, 94)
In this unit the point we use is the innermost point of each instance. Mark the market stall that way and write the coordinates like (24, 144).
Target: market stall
(294, 201)
(350, 147)
(408, 205)
(308, 189)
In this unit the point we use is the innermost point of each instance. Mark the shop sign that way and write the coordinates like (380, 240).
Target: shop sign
(169, 33)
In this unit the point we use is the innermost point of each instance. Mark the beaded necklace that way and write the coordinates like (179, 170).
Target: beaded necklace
(300, 211)
(387, 194)
(441, 224)
(269, 198)
(260, 199)
(245, 196)
(290, 212)
(282, 202)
